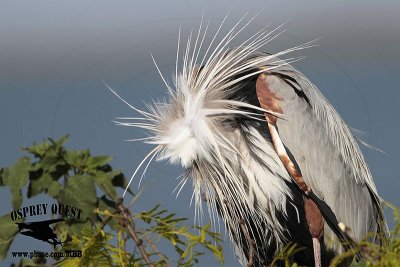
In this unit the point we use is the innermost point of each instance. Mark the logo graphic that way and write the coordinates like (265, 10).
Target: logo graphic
(44, 229)
(41, 231)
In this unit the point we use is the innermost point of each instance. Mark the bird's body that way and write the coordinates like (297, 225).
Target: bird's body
(263, 184)
(216, 125)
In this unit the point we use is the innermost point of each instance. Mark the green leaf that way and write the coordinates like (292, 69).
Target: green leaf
(49, 162)
(17, 177)
(8, 230)
(54, 189)
(80, 192)
(77, 160)
(187, 250)
(37, 186)
(78, 227)
(173, 240)
(38, 150)
(95, 162)
(104, 180)
(203, 236)
(72, 157)
(61, 230)
(60, 141)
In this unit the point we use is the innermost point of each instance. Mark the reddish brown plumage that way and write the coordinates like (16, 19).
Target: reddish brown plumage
(269, 100)
(314, 218)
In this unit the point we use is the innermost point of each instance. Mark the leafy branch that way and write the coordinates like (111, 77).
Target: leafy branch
(108, 232)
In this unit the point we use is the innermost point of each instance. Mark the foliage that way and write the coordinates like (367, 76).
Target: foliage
(373, 255)
(284, 256)
(387, 255)
(108, 232)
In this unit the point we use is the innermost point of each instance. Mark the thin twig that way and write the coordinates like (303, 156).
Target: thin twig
(250, 241)
(125, 239)
(154, 247)
(131, 228)
(102, 225)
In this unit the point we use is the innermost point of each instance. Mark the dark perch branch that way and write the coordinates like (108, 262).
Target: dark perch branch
(124, 211)
(251, 242)
(153, 246)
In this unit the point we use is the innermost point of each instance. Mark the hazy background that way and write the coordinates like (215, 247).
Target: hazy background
(54, 55)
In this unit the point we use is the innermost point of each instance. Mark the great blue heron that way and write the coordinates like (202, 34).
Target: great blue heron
(265, 149)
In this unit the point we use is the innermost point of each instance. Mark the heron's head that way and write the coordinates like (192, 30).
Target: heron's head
(206, 105)
(185, 127)
(196, 120)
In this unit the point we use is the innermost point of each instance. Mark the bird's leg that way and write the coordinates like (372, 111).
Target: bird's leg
(315, 224)
(270, 101)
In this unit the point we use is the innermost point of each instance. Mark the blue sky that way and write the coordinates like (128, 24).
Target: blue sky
(54, 55)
